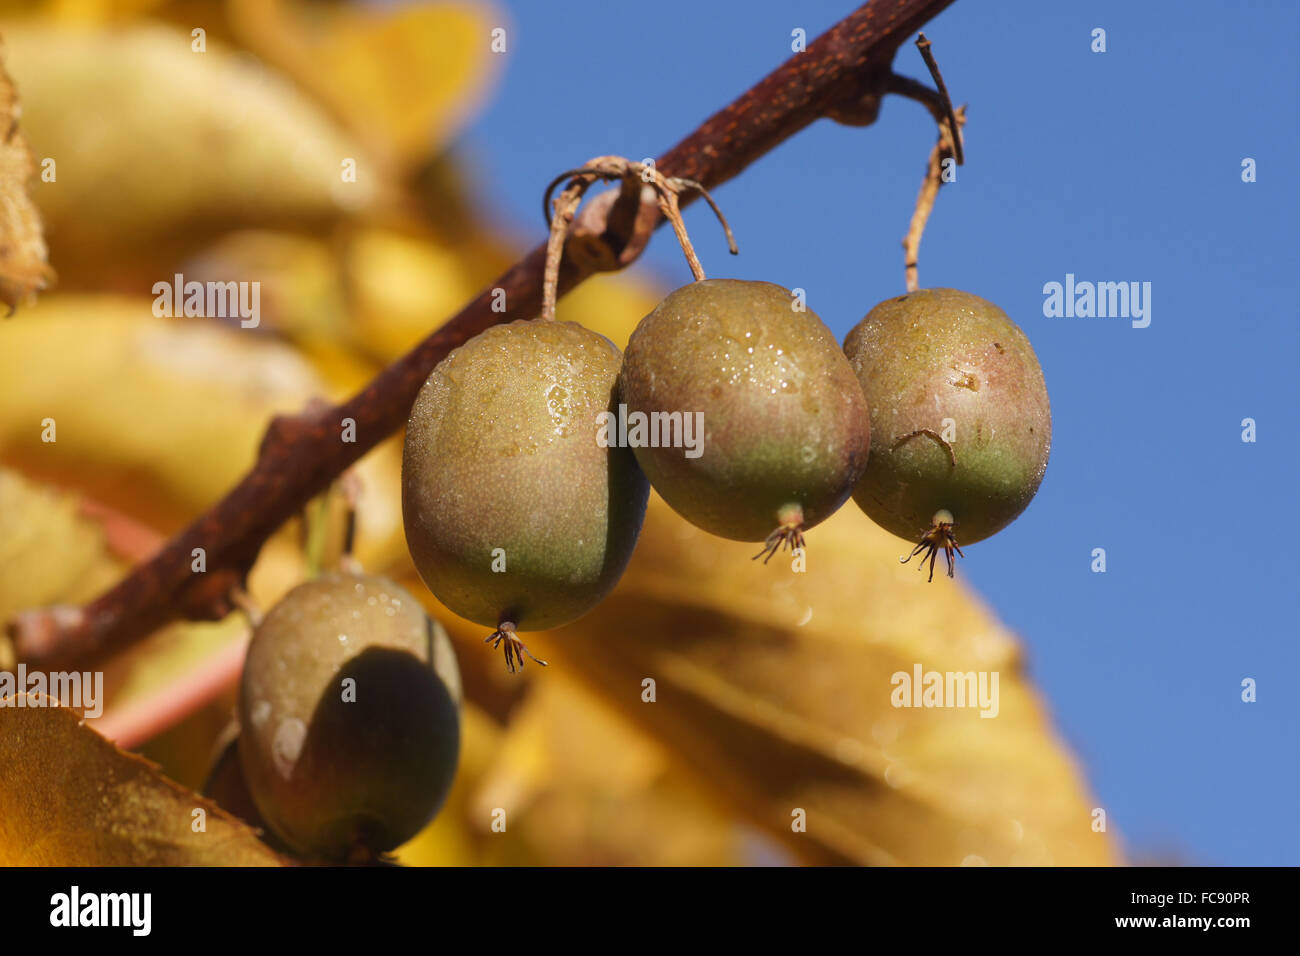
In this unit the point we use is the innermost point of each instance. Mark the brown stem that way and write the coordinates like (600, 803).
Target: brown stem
(950, 121)
(925, 202)
(917, 91)
(842, 75)
(633, 175)
(950, 115)
(679, 184)
(566, 207)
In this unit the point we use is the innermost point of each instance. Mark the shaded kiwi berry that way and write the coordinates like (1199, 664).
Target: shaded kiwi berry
(960, 422)
(349, 717)
(516, 516)
(225, 781)
(785, 429)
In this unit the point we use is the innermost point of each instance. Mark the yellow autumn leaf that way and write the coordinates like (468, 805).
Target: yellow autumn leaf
(92, 11)
(160, 417)
(68, 797)
(155, 416)
(582, 787)
(402, 78)
(50, 553)
(302, 295)
(402, 286)
(155, 144)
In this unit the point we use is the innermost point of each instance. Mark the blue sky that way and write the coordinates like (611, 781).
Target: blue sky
(1115, 166)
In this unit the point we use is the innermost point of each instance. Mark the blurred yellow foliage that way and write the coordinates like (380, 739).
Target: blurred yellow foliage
(156, 146)
(402, 79)
(157, 416)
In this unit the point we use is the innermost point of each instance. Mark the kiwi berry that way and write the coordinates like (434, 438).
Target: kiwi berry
(349, 713)
(785, 424)
(517, 516)
(225, 781)
(960, 421)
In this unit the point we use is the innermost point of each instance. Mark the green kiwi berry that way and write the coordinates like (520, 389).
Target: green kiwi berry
(785, 428)
(517, 516)
(960, 421)
(349, 717)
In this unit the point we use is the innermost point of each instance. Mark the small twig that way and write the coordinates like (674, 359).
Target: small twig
(548, 210)
(246, 603)
(320, 522)
(315, 522)
(950, 145)
(633, 174)
(954, 126)
(350, 490)
(680, 183)
(918, 92)
(566, 207)
(672, 210)
(925, 204)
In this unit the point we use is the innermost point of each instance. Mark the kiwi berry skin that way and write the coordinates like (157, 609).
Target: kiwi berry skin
(329, 775)
(784, 417)
(225, 781)
(942, 354)
(502, 453)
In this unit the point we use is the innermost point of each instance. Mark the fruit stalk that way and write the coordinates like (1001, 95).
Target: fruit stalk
(841, 75)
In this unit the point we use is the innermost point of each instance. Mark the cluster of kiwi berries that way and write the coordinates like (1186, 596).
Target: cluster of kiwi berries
(934, 417)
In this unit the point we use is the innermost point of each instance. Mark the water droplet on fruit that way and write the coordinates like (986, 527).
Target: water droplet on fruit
(287, 745)
(558, 407)
(261, 712)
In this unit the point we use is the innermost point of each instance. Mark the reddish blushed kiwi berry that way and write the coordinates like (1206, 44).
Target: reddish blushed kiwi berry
(785, 425)
(516, 516)
(960, 422)
(349, 713)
